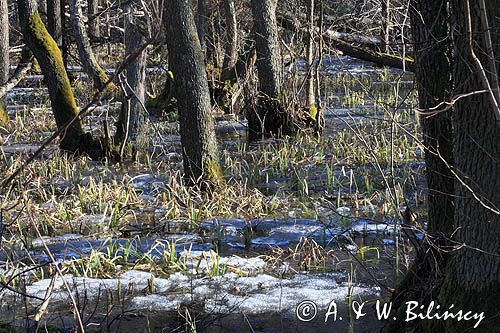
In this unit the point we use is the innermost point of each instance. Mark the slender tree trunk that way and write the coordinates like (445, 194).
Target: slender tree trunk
(386, 21)
(54, 21)
(473, 276)
(199, 147)
(310, 95)
(201, 25)
(90, 65)
(49, 57)
(214, 49)
(231, 49)
(94, 21)
(4, 57)
(65, 38)
(132, 113)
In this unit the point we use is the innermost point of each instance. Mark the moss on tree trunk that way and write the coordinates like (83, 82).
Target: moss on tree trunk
(49, 57)
(92, 68)
(199, 146)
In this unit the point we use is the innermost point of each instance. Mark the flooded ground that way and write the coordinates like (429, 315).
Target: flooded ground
(305, 221)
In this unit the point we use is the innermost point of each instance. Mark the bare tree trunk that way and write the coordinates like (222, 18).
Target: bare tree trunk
(89, 62)
(49, 57)
(473, 276)
(386, 21)
(214, 48)
(65, 38)
(432, 48)
(94, 21)
(268, 115)
(4, 57)
(267, 45)
(310, 100)
(54, 21)
(199, 147)
(132, 113)
(231, 49)
(42, 7)
(201, 25)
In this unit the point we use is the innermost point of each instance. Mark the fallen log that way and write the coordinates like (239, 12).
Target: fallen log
(351, 37)
(345, 42)
(20, 72)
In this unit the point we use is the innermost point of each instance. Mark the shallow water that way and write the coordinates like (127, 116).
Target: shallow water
(251, 290)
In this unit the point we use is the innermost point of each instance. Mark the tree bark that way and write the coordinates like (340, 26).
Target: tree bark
(432, 48)
(231, 48)
(65, 37)
(54, 21)
(267, 45)
(89, 62)
(385, 13)
(4, 57)
(267, 115)
(473, 276)
(94, 20)
(201, 25)
(199, 147)
(310, 94)
(132, 113)
(49, 57)
(42, 8)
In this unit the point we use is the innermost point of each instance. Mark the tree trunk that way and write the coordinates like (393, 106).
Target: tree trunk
(231, 48)
(65, 37)
(4, 57)
(199, 147)
(201, 25)
(385, 13)
(132, 113)
(94, 21)
(432, 48)
(473, 276)
(267, 116)
(310, 94)
(54, 21)
(49, 57)
(89, 62)
(268, 48)
(42, 8)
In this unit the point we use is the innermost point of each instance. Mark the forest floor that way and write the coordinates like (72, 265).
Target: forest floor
(299, 218)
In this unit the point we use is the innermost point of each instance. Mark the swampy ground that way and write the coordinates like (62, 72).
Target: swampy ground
(130, 248)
